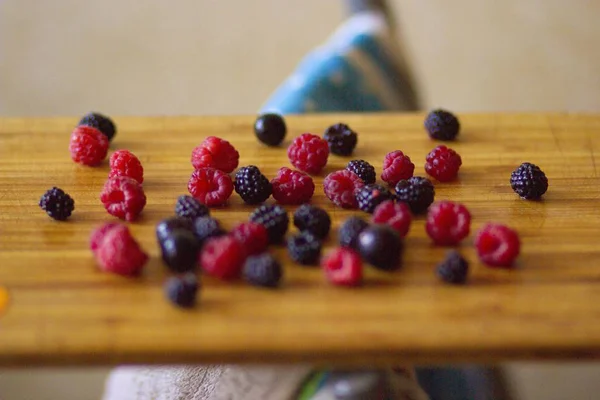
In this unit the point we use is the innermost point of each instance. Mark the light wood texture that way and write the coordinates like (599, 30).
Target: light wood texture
(62, 310)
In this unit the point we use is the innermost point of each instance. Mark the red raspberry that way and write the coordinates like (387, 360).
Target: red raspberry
(216, 153)
(497, 245)
(223, 257)
(448, 223)
(396, 215)
(443, 163)
(98, 235)
(118, 252)
(396, 167)
(210, 186)
(125, 163)
(88, 145)
(292, 187)
(253, 236)
(343, 267)
(123, 197)
(308, 153)
(339, 187)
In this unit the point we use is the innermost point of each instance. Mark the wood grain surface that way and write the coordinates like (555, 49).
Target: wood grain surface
(63, 311)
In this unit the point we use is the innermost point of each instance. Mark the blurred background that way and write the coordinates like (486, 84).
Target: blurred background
(158, 57)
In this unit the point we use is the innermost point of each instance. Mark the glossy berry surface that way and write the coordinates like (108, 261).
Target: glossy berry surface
(453, 269)
(88, 146)
(262, 270)
(341, 139)
(57, 204)
(215, 153)
(252, 236)
(370, 196)
(274, 218)
(304, 248)
(101, 122)
(165, 227)
(529, 181)
(308, 153)
(179, 251)
(395, 215)
(312, 219)
(210, 186)
(123, 197)
(292, 187)
(190, 208)
(343, 266)
(443, 163)
(497, 245)
(340, 187)
(417, 192)
(182, 291)
(448, 223)
(205, 228)
(364, 170)
(270, 129)
(380, 246)
(252, 186)
(125, 163)
(222, 257)
(396, 166)
(350, 230)
(442, 125)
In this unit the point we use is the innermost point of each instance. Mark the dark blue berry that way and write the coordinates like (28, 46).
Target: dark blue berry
(165, 227)
(190, 208)
(370, 196)
(529, 181)
(57, 204)
(182, 290)
(304, 248)
(341, 139)
(312, 219)
(270, 129)
(252, 186)
(454, 269)
(417, 192)
(380, 246)
(100, 122)
(205, 228)
(349, 231)
(363, 169)
(262, 270)
(180, 251)
(274, 218)
(442, 125)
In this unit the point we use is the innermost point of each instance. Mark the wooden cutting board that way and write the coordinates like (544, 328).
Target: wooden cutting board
(62, 310)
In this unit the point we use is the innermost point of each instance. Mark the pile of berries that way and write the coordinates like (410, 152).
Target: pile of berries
(192, 240)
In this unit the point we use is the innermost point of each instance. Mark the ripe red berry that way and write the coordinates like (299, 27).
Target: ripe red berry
(118, 252)
(125, 163)
(88, 146)
(396, 215)
(252, 236)
(292, 187)
(223, 257)
(497, 245)
(443, 163)
(97, 235)
(448, 223)
(343, 267)
(340, 187)
(396, 167)
(216, 153)
(210, 186)
(123, 197)
(308, 153)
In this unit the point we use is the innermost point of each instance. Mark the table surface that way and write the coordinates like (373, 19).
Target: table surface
(63, 311)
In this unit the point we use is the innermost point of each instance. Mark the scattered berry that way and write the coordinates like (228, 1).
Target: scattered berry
(497, 245)
(270, 129)
(119, 253)
(349, 231)
(380, 246)
(190, 208)
(125, 163)
(442, 125)
(215, 153)
(253, 236)
(210, 186)
(340, 187)
(529, 181)
(262, 270)
(97, 235)
(417, 192)
(100, 122)
(454, 269)
(180, 251)
(308, 153)
(448, 223)
(370, 196)
(396, 215)
(274, 218)
(292, 187)
(343, 267)
(304, 248)
(396, 166)
(364, 170)
(123, 197)
(252, 186)
(312, 219)
(165, 227)
(443, 163)
(222, 257)
(88, 146)
(341, 139)
(57, 204)
(182, 290)
(205, 228)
